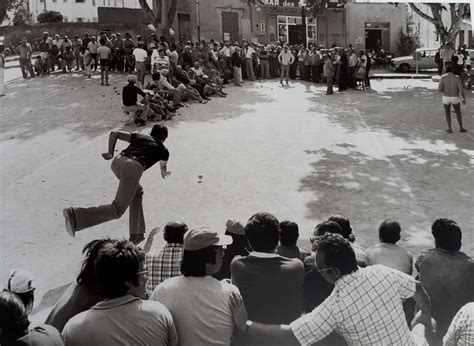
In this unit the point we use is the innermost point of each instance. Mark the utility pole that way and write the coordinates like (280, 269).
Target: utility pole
(198, 19)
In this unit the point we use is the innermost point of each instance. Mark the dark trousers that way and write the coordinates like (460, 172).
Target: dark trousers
(352, 81)
(25, 65)
(307, 72)
(440, 67)
(329, 81)
(94, 60)
(315, 75)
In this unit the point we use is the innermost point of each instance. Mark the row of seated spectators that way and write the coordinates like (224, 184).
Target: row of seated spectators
(256, 286)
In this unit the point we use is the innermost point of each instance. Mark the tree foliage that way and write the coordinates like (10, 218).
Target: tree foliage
(457, 13)
(21, 16)
(161, 16)
(9, 7)
(50, 17)
(407, 43)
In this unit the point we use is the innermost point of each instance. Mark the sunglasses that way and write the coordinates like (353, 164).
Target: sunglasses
(322, 270)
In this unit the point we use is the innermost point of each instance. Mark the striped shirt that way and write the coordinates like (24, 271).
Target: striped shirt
(163, 265)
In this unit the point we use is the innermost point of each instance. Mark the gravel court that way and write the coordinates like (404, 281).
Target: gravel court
(291, 151)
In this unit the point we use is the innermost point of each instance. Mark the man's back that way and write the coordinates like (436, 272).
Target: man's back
(450, 85)
(390, 255)
(122, 321)
(272, 287)
(292, 252)
(163, 265)
(200, 307)
(448, 277)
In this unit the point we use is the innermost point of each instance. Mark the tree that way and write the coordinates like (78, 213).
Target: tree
(21, 16)
(457, 13)
(50, 17)
(8, 9)
(162, 16)
(408, 43)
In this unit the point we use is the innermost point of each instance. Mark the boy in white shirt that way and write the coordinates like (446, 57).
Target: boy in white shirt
(140, 55)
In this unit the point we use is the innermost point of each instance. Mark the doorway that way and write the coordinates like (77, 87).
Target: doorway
(296, 34)
(373, 39)
(184, 27)
(230, 26)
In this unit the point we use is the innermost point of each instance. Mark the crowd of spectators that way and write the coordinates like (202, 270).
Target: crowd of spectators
(254, 285)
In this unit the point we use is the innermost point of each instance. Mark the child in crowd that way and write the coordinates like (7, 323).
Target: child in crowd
(85, 57)
(67, 58)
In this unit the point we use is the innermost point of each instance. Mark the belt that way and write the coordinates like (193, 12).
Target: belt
(140, 161)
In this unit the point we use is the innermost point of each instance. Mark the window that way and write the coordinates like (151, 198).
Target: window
(470, 44)
(93, 2)
(80, 19)
(54, 0)
(262, 26)
(80, 0)
(95, 19)
(437, 37)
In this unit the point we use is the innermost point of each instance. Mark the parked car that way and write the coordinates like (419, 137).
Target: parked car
(423, 57)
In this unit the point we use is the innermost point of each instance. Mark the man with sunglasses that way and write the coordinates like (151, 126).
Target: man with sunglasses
(123, 317)
(365, 306)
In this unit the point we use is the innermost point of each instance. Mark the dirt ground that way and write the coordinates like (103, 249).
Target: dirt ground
(291, 151)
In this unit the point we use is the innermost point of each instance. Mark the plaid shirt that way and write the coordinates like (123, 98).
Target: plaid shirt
(163, 265)
(365, 308)
(461, 330)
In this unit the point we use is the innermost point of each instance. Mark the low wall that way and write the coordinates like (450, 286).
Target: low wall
(14, 34)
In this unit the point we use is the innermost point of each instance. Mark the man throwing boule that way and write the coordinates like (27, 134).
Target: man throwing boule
(142, 153)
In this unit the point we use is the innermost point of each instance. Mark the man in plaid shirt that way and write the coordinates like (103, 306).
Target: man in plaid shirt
(166, 263)
(365, 306)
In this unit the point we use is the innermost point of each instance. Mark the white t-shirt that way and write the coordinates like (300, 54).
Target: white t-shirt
(140, 54)
(200, 307)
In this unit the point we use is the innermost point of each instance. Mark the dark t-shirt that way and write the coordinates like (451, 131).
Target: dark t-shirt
(147, 149)
(130, 93)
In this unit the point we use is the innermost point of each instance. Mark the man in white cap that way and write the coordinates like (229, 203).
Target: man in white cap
(200, 304)
(20, 282)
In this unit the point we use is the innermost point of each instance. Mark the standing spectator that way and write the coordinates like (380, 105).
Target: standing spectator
(446, 54)
(461, 329)
(128, 46)
(66, 42)
(286, 59)
(46, 45)
(140, 55)
(92, 48)
(289, 235)
(315, 62)
(104, 53)
(264, 64)
(271, 285)
(307, 65)
(446, 273)
(439, 61)
(86, 40)
(451, 87)
(86, 59)
(368, 66)
(166, 263)
(388, 253)
(82, 294)
(365, 306)
(200, 304)
(328, 72)
(236, 61)
(25, 51)
(249, 52)
(237, 248)
(301, 57)
(123, 318)
(353, 62)
(273, 61)
(343, 72)
(76, 45)
(14, 325)
(119, 52)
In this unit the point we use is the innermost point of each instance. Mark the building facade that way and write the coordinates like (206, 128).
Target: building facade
(77, 10)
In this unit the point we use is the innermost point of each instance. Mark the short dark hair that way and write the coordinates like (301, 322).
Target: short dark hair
(345, 225)
(262, 231)
(174, 232)
(289, 233)
(194, 262)
(87, 277)
(447, 234)
(327, 227)
(156, 76)
(337, 253)
(102, 41)
(13, 319)
(116, 267)
(389, 231)
(449, 67)
(160, 132)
